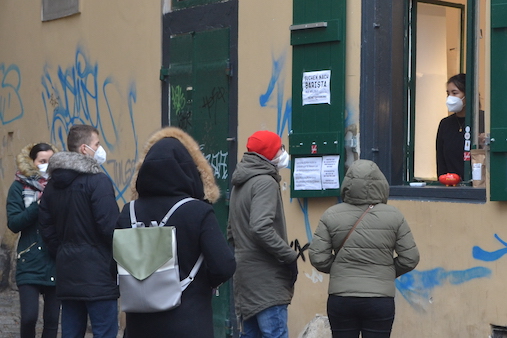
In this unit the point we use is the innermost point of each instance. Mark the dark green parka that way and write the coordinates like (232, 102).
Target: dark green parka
(34, 265)
(257, 229)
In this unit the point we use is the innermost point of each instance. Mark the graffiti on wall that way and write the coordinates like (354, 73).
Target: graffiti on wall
(218, 162)
(417, 286)
(11, 105)
(274, 98)
(211, 102)
(490, 256)
(178, 104)
(80, 94)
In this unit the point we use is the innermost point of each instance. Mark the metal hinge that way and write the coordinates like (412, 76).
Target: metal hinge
(164, 72)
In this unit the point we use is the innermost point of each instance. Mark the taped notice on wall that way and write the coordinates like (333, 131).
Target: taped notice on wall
(316, 87)
(316, 173)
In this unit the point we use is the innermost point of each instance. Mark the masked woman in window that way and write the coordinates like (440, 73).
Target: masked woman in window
(450, 134)
(35, 269)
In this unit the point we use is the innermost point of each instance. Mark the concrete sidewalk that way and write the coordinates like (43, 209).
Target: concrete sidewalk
(9, 316)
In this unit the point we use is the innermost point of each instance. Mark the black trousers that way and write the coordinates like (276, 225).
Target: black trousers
(29, 304)
(373, 317)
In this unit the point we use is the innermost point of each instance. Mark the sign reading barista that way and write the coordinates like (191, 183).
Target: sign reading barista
(316, 87)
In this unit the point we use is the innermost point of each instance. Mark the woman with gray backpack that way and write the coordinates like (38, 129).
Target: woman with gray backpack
(172, 168)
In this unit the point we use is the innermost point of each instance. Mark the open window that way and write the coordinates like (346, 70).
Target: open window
(437, 51)
(401, 107)
(443, 42)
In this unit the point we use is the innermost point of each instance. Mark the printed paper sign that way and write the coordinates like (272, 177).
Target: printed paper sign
(330, 177)
(316, 87)
(307, 171)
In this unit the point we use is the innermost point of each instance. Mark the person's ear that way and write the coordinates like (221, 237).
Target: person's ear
(82, 149)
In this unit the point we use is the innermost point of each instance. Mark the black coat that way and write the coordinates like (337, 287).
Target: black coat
(77, 216)
(167, 175)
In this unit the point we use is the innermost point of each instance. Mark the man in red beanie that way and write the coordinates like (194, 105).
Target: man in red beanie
(266, 265)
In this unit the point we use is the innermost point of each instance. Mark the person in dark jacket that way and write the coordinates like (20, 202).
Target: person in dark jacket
(361, 260)
(35, 269)
(77, 216)
(451, 132)
(173, 168)
(267, 265)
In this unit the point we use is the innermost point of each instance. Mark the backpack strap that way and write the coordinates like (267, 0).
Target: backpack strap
(173, 209)
(186, 282)
(133, 220)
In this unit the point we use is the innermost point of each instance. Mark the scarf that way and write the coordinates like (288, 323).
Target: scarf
(33, 187)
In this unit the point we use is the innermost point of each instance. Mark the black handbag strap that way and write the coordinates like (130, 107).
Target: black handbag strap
(355, 225)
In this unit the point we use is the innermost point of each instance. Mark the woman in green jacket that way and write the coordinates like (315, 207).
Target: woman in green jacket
(35, 269)
(360, 259)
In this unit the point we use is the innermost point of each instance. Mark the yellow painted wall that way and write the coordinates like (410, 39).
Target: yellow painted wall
(459, 296)
(99, 67)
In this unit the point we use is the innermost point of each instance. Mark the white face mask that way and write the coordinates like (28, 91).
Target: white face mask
(100, 154)
(454, 104)
(281, 161)
(43, 167)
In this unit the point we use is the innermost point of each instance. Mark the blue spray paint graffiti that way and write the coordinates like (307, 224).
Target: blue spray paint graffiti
(483, 255)
(76, 95)
(11, 105)
(283, 108)
(416, 286)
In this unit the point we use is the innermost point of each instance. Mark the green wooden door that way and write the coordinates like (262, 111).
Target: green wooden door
(318, 40)
(199, 103)
(498, 163)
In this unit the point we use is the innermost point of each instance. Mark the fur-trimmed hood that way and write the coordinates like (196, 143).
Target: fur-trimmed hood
(66, 166)
(209, 187)
(25, 164)
(73, 161)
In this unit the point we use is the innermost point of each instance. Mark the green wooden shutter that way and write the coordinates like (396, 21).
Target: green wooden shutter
(318, 40)
(498, 163)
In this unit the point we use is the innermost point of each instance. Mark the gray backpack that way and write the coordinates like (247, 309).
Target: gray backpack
(148, 272)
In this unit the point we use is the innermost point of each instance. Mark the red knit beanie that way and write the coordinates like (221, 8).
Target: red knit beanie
(265, 143)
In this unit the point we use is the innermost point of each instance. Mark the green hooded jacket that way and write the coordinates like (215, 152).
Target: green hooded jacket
(257, 230)
(366, 265)
(34, 264)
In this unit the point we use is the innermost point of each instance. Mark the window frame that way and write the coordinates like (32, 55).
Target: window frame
(384, 98)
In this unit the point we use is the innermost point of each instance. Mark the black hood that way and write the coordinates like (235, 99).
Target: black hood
(169, 170)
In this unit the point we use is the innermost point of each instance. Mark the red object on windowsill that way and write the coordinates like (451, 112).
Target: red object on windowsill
(449, 179)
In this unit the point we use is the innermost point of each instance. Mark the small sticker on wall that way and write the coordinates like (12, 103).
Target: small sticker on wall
(467, 145)
(466, 156)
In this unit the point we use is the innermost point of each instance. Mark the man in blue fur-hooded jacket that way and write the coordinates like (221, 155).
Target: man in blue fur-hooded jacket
(77, 216)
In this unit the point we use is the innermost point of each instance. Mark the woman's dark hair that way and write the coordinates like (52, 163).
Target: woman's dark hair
(38, 148)
(459, 80)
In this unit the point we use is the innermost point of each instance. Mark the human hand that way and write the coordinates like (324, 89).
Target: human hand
(293, 268)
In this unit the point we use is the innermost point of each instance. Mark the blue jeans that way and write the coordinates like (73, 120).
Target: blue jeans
(372, 316)
(269, 323)
(103, 318)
